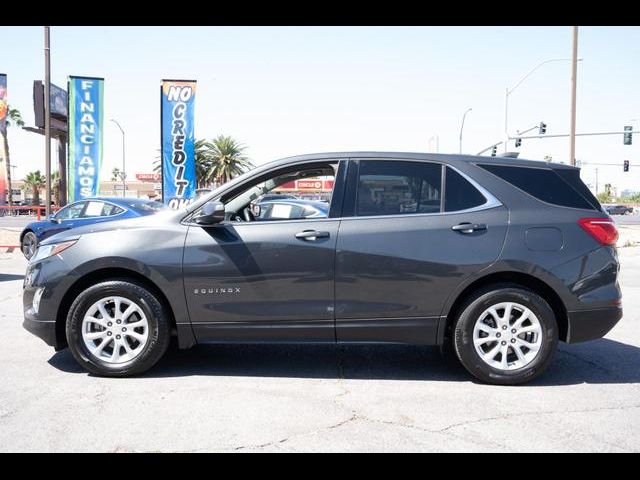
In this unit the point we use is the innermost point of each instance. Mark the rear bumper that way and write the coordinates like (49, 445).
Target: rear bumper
(592, 324)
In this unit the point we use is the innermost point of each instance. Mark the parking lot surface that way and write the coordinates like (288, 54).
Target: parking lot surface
(317, 398)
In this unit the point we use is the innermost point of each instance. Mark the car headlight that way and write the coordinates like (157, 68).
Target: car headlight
(46, 251)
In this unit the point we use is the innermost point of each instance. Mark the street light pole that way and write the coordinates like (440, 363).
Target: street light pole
(574, 75)
(47, 122)
(462, 126)
(509, 91)
(124, 187)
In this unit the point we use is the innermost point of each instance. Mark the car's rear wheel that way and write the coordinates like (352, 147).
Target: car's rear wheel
(117, 328)
(506, 335)
(29, 244)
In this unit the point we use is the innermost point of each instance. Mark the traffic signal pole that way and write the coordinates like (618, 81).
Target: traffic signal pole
(575, 134)
(625, 132)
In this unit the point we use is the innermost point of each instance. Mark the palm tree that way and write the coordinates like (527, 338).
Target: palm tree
(36, 181)
(203, 161)
(227, 159)
(13, 118)
(55, 185)
(116, 175)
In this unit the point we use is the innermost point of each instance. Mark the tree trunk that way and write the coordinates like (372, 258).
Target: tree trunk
(56, 193)
(36, 196)
(8, 164)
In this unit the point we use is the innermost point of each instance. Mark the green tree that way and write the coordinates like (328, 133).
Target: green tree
(117, 175)
(14, 118)
(227, 159)
(604, 197)
(35, 181)
(56, 186)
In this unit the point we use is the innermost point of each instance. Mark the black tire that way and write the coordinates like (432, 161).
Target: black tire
(28, 244)
(157, 317)
(473, 309)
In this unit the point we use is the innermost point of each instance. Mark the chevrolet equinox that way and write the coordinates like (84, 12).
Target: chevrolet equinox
(501, 257)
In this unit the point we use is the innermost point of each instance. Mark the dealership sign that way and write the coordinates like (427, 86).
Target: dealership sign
(85, 136)
(177, 99)
(148, 177)
(315, 185)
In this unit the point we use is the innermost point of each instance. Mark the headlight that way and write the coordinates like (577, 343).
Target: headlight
(46, 251)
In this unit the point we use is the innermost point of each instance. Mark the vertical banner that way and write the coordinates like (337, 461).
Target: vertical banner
(177, 102)
(4, 111)
(4, 104)
(85, 136)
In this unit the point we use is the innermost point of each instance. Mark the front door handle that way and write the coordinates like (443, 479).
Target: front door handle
(467, 227)
(311, 235)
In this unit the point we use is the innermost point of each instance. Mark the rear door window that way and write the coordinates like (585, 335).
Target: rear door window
(460, 194)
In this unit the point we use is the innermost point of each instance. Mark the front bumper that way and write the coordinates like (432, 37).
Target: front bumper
(42, 323)
(592, 324)
(46, 330)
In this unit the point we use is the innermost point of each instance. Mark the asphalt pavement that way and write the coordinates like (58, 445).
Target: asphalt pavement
(633, 219)
(317, 398)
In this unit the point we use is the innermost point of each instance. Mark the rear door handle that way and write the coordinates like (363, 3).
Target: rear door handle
(467, 227)
(311, 235)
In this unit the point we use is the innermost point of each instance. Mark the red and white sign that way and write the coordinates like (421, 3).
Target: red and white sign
(308, 185)
(148, 177)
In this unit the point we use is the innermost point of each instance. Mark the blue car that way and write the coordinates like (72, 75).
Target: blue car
(85, 212)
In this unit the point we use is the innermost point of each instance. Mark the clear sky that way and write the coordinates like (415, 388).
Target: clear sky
(290, 90)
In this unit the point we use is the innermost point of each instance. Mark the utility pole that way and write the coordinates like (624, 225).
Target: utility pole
(574, 75)
(596, 180)
(47, 122)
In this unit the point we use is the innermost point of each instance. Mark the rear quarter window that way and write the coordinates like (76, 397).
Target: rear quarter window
(542, 183)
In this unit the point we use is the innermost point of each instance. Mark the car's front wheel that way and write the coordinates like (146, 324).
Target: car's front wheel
(506, 335)
(117, 328)
(29, 244)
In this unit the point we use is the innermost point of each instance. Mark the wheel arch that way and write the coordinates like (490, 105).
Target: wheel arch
(516, 278)
(24, 232)
(100, 275)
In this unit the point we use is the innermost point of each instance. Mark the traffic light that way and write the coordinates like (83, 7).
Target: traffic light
(494, 151)
(627, 135)
(625, 166)
(543, 128)
(518, 142)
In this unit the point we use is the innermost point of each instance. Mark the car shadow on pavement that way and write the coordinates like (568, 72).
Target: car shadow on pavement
(600, 361)
(9, 277)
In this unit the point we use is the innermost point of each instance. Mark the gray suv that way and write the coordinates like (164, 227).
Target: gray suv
(501, 257)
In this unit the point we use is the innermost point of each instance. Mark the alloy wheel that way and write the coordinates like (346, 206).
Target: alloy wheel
(115, 330)
(507, 336)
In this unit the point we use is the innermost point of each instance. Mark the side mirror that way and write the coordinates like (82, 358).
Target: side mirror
(212, 213)
(53, 219)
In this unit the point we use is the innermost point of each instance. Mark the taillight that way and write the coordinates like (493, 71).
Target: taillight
(602, 229)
